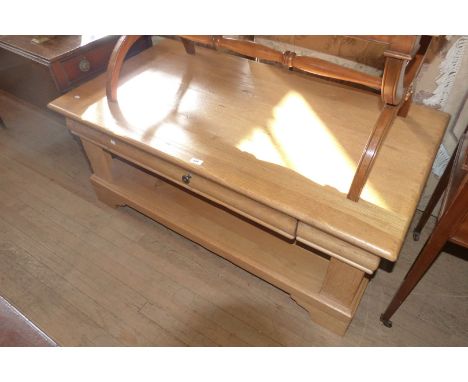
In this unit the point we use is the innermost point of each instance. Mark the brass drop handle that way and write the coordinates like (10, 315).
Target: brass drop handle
(84, 64)
(186, 178)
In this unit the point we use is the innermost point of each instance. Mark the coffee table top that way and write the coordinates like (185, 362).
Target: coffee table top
(288, 140)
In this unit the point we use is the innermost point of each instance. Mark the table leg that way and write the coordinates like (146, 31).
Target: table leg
(341, 292)
(101, 163)
(446, 227)
(440, 188)
(341, 282)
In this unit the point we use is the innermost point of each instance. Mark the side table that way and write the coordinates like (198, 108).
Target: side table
(452, 225)
(39, 70)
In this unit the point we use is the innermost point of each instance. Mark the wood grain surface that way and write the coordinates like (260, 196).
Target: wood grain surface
(87, 274)
(288, 141)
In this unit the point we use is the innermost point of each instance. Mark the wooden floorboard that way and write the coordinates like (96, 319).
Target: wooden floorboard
(88, 275)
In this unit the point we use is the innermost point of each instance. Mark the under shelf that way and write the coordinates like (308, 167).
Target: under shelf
(295, 269)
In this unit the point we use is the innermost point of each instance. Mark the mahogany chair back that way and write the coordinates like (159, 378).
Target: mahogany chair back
(401, 54)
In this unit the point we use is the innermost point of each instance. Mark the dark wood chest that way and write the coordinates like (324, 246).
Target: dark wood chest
(40, 71)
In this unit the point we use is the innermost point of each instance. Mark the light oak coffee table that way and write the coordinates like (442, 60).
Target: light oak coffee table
(254, 163)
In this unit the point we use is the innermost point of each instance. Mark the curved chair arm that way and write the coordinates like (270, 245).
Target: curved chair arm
(116, 60)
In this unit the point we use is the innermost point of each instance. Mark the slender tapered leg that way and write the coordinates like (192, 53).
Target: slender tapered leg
(447, 226)
(440, 188)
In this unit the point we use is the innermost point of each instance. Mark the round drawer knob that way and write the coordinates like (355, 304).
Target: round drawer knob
(186, 178)
(84, 65)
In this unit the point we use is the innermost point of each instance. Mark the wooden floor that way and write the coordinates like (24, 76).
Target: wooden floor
(90, 275)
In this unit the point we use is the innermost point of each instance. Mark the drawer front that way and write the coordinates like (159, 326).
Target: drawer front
(337, 248)
(262, 214)
(81, 66)
(89, 61)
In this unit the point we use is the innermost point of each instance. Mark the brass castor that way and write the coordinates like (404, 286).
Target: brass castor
(387, 323)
